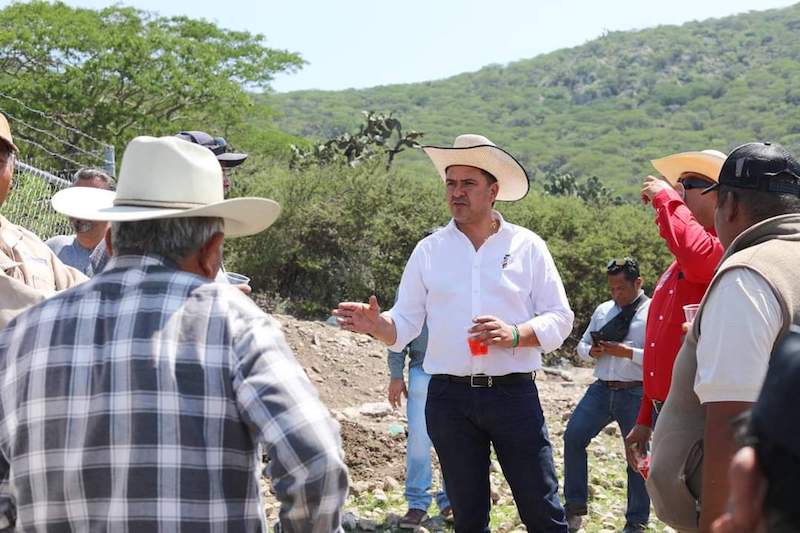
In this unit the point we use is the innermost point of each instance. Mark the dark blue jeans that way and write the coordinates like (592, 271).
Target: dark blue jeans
(599, 407)
(463, 422)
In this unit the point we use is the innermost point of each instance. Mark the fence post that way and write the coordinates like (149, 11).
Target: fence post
(110, 165)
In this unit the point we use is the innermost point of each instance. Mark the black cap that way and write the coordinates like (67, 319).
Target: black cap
(774, 421)
(217, 145)
(756, 166)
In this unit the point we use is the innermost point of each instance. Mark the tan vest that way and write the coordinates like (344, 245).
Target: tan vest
(770, 248)
(29, 271)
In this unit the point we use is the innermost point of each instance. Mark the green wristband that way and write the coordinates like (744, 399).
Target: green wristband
(514, 336)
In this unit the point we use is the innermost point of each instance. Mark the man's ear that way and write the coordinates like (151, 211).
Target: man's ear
(638, 283)
(107, 238)
(209, 257)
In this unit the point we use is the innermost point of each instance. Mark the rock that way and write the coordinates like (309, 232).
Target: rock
(495, 496)
(379, 495)
(566, 416)
(619, 483)
(331, 321)
(391, 520)
(494, 466)
(315, 340)
(375, 409)
(349, 521)
(563, 374)
(611, 430)
(367, 525)
(315, 369)
(390, 484)
(359, 487)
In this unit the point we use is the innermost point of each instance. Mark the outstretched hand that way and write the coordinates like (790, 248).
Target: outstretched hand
(359, 317)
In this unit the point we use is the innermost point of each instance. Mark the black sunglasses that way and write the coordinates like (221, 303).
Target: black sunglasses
(695, 183)
(616, 264)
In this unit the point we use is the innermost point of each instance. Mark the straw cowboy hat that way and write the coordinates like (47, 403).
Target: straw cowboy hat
(708, 163)
(478, 151)
(168, 177)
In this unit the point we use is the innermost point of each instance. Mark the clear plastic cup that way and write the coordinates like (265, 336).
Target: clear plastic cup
(237, 279)
(476, 347)
(690, 311)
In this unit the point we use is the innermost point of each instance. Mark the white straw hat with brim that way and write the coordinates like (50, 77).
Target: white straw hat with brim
(708, 163)
(168, 177)
(478, 151)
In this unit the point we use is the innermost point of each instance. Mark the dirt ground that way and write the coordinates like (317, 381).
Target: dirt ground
(351, 375)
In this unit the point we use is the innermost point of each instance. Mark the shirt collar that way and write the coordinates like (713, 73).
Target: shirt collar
(139, 262)
(504, 226)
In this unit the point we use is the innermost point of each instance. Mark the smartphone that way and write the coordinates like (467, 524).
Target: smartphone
(596, 338)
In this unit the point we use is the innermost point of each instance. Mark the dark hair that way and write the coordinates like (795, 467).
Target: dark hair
(761, 205)
(627, 266)
(5, 150)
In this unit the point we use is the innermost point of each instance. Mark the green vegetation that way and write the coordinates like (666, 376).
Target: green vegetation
(346, 232)
(120, 72)
(602, 109)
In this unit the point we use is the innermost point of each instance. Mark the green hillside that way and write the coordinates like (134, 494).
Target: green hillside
(604, 108)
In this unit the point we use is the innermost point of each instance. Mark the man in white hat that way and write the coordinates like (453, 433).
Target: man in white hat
(685, 220)
(29, 271)
(494, 302)
(138, 400)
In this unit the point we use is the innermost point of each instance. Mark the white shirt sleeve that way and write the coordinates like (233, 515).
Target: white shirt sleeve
(585, 343)
(740, 324)
(553, 318)
(408, 313)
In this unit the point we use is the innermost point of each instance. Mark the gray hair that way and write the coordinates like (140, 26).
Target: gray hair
(95, 174)
(172, 238)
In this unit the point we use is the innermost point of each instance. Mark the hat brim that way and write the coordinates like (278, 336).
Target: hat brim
(672, 166)
(242, 216)
(511, 177)
(231, 159)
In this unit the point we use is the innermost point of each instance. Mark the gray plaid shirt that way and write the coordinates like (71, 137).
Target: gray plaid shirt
(137, 401)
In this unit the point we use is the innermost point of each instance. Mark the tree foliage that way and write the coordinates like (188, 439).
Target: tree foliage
(380, 136)
(605, 108)
(119, 71)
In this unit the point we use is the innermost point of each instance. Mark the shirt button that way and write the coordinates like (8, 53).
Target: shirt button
(652, 344)
(651, 374)
(671, 291)
(661, 317)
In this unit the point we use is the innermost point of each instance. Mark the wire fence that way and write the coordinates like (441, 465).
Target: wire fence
(28, 203)
(54, 161)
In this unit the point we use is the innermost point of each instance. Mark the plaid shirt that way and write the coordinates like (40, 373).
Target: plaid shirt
(137, 401)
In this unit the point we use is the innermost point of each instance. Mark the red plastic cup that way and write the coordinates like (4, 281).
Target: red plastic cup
(476, 347)
(643, 465)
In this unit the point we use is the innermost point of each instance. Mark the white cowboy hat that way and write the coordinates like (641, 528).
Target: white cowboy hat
(708, 163)
(168, 177)
(478, 151)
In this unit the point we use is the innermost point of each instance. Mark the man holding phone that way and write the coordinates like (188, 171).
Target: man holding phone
(614, 340)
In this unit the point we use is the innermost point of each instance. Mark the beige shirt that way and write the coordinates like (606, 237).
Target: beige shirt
(29, 271)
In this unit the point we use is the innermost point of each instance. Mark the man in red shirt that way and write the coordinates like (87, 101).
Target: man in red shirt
(685, 221)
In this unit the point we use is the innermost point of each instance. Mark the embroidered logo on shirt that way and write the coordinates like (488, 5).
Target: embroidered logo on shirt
(506, 260)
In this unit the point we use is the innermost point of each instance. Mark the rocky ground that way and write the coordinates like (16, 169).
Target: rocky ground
(350, 373)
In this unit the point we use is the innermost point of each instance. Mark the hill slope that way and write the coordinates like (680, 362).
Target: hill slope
(604, 108)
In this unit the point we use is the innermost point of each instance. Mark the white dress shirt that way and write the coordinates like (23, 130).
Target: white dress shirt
(741, 322)
(511, 276)
(609, 367)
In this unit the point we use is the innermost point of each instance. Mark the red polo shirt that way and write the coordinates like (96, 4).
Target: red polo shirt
(697, 253)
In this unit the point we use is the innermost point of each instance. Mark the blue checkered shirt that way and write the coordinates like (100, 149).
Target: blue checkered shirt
(137, 402)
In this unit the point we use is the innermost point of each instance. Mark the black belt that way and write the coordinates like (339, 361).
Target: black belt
(482, 380)
(621, 385)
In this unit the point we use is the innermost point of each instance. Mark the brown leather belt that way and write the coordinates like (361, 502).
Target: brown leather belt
(621, 385)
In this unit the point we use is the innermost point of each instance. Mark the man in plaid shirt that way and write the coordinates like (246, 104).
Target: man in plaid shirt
(137, 401)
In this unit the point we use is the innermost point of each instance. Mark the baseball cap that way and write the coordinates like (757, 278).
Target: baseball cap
(756, 166)
(218, 145)
(5, 133)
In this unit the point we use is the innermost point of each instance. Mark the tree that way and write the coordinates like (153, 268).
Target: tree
(119, 72)
(380, 135)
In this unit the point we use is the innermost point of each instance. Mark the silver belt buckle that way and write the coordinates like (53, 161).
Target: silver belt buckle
(472, 381)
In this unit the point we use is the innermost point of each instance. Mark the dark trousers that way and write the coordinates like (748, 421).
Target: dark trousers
(599, 407)
(463, 421)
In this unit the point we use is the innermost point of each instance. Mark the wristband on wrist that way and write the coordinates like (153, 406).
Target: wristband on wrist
(514, 336)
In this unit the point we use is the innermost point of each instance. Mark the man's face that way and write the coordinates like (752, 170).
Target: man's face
(6, 173)
(469, 193)
(623, 292)
(724, 218)
(83, 227)
(701, 205)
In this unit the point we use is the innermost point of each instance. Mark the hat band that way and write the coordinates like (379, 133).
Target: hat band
(126, 202)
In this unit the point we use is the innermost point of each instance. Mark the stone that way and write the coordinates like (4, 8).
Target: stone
(375, 409)
(367, 525)
(379, 495)
(390, 484)
(349, 521)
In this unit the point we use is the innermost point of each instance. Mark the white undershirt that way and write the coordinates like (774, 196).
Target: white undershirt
(511, 276)
(741, 322)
